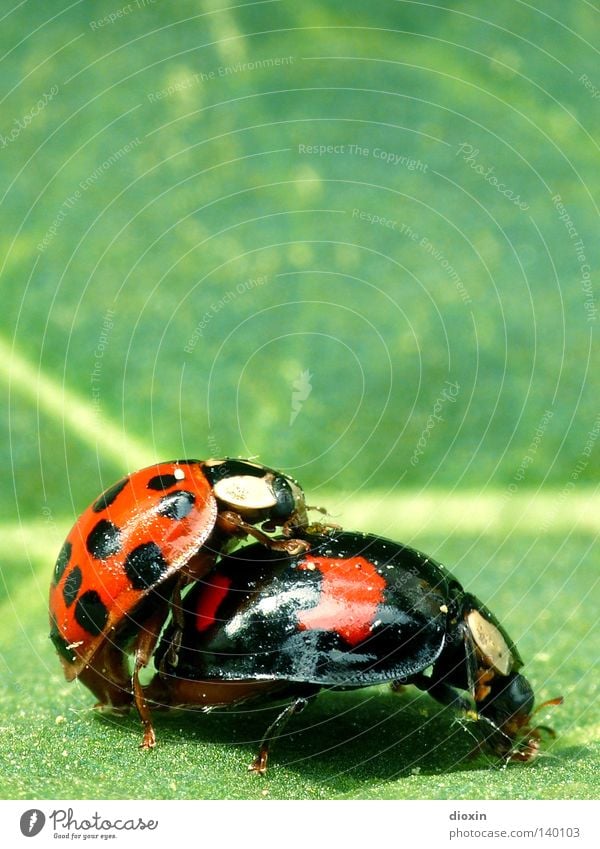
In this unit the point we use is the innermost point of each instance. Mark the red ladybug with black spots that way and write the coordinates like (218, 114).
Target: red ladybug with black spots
(354, 611)
(125, 561)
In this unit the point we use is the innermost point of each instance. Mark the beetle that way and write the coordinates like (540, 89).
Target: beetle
(353, 611)
(124, 563)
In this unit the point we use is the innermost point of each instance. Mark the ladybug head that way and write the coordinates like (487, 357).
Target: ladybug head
(503, 696)
(257, 493)
(509, 703)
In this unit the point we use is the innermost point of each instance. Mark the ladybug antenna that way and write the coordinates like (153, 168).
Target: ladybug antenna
(556, 701)
(323, 510)
(545, 728)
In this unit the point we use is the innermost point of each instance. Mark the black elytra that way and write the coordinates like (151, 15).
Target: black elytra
(257, 630)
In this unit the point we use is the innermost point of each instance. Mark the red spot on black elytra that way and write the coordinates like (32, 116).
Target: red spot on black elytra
(107, 498)
(145, 566)
(72, 585)
(176, 505)
(159, 482)
(62, 561)
(211, 597)
(91, 612)
(351, 590)
(104, 540)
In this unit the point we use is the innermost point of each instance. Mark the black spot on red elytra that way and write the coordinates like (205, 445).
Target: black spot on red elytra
(91, 612)
(72, 585)
(104, 540)
(107, 498)
(160, 482)
(176, 505)
(145, 566)
(60, 644)
(62, 561)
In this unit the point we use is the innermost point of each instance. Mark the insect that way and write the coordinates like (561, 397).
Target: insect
(354, 611)
(126, 559)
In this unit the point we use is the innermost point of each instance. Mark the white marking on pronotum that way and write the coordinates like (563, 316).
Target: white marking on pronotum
(245, 491)
(490, 642)
(179, 474)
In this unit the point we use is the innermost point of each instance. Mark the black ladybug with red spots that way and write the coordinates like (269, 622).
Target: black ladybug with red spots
(354, 611)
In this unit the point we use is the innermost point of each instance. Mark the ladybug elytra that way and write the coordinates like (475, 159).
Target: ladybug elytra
(127, 558)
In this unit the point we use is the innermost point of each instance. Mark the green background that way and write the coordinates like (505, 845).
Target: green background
(255, 230)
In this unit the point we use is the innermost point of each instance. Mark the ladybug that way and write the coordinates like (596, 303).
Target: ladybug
(354, 611)
(126, 559)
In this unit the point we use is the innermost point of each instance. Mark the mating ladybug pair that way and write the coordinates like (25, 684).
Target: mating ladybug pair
(277, 620)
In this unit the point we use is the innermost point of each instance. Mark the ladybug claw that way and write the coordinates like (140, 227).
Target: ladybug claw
(324, 528)
(172, 656)
(259, 764)
(113, 710)
(149, 741)
(290, 546)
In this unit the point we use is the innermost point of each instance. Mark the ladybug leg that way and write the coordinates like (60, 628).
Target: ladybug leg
(194, 570)
(289, 546)
(259, 764)
(172, 655)
(442, 693)
(482, 685)
(108, 678)
(292, 525)
(145, 645)
(232, 523)
(323, 510)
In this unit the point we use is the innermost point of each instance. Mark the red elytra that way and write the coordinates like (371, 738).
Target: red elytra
(134, 537)
(123, 565)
